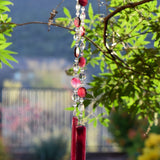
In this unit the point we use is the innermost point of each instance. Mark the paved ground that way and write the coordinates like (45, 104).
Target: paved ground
(106, 156)
(89, 156)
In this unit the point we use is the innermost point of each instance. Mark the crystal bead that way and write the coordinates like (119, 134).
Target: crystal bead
(82, 46)
(82, 62)
(75, 82)
(81, 107)
(82, 70)
(83, 9)
(82, 39)
(81, 100)
(75, 90)
(77, 22)
(82, 76)
(76, 60)
(76, 52)
(74, 112)
(75, 105)
(82, 23)
(83, 2)
(77, 29)
(75, 97)
(75, 67)
(77, 14)
(82, 92)
(82, 16)
(77, 44)
(81, 53)
(78, 7)
(80, 115)
(76, 37)
(82, 31)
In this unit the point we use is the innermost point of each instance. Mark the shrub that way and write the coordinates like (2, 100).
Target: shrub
(52, 148)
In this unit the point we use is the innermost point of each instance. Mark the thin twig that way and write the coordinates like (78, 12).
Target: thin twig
(119, 9)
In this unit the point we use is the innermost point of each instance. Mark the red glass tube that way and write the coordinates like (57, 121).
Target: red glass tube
(81, 143)
(74, 138)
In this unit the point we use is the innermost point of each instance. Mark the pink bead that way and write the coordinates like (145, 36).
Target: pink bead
(82, 62)
(82, 31)
(77, 22)
(83, 2)
(76, 52)
(82, 92)
(75, 82)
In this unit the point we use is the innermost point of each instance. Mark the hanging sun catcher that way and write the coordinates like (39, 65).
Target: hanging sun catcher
(78, 139)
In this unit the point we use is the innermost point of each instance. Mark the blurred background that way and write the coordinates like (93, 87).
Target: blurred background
(34, 124)
(34, 95)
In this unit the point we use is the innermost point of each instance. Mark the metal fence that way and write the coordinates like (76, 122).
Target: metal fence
(32, 114)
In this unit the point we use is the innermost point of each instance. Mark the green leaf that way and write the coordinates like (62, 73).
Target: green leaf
(9, 57)
(73, 44)
(61, 19)
(102, 65)
(6, 62)
(5, 2)
(66, 12)
(90, 11)
(69, 108)
(95, 123)
(4, 45)
(4, 8)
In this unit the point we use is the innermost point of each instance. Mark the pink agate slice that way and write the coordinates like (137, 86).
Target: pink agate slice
(75, 82)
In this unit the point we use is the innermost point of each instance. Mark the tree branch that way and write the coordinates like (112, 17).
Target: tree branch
(119, 9)
(37, 22)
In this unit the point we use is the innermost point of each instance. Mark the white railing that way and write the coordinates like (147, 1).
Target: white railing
(32, 114)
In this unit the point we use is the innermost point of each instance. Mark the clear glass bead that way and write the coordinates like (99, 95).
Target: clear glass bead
(82, 70)
(82, 76)
(81, 53)
(78, 6)
(75, 67)
(77, 14)
(81, 107)
(74, 112)
(76, 60)
(82, 23)
(81, 100)
(82, 16)
(82, 46)
(77, 44)
(83, 9)
(77, 29)
(75, 105)
(76, 37)
(75, 97)
(82, 39)
(80, 115)
(75, 90)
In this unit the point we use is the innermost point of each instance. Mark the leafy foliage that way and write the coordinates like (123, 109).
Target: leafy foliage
(5, 30)
(135, 87)
(132, 85)
(129, 132)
